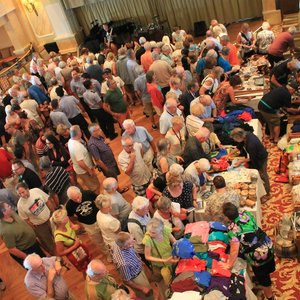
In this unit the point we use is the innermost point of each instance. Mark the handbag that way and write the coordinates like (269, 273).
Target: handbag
(165, 270)
(80, 256)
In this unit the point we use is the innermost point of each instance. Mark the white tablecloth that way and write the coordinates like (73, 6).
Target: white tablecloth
(255, 123)
(240, 175)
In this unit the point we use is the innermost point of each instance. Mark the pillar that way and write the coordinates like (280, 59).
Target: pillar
(270, 13)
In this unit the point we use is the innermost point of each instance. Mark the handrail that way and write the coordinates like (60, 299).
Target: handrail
(6, 70)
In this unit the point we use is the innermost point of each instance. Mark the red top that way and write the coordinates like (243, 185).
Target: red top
(146, 60)
(5, 163)
(157, 97)
(233, 56)
(281, 44)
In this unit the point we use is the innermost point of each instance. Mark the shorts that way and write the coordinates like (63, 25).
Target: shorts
(262, 273)
(272, 119)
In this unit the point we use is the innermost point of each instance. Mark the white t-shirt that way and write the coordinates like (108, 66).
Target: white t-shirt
(34, 80)
(117, 79)
(31, 106)
(79, 152)
(34, 208)
(109, 227)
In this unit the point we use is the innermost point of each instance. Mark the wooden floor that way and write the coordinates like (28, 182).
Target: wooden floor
(13, 274)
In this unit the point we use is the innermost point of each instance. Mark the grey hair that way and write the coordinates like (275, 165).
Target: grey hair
(62, 64)
(292, 30)
(225, 38)
(163, 203)
(147, 46)
(165, 48)
(128, 122)
(142, 40)
(125, 138)
(71, 190)
(27, 263)
(103, 201)
(212, 53)
(110, 184)
(74, 131)
(162, 146)
(155, 224)
(53, 81)
(92, 127)
(238, 133)
(176, 169)
(139, 202)
(155, 56)
(45, 163)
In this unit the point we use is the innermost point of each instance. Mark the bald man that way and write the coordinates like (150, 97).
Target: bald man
(43, 279)
(99, 284)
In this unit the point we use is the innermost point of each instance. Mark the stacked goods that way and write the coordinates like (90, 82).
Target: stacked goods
(247, 192)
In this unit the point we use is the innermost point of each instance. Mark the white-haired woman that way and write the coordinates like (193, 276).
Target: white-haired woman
(176, 136)
(169, 216)
(264, 38)
(193, 121)
(66, 241)
(196, 172)
(158, 243)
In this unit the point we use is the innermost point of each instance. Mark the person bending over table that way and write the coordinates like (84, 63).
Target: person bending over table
(247, 239)
(255, 154)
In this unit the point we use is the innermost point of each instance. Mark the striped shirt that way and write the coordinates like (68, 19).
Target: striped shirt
(127, 262)
(57, 179)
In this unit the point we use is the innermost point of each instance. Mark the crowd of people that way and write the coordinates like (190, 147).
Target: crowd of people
(56, 126)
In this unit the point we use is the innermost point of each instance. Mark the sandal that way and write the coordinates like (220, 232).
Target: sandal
(265, 198)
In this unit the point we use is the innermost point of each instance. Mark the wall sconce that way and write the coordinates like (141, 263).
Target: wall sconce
(30, 7)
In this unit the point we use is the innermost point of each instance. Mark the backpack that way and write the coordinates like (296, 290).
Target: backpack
(124, 226)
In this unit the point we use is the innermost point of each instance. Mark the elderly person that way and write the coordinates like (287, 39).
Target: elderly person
(99, 284)
(137, 222)
(282, 43)
(176, 136)
(170, 111)
(140, 134)
(196, 172)
(129, 265)
(82, 161)
(249, 241)
(12, 227)
(221, 195)
(180, 191)
(158, 243)
(141, 50)
(162, 71)
(120, 207)
(115, 103)
(264, 38)
(58, 117)
(56, 179)
(281, 72)
(246, 41)
(206, 62)
(193, 148)
(211, 82)
(166, 54)
(255, 154)
(217, 28)
(109, 225)
(146, 58)
(193, 121)
(271, 103)
(132, 163)
(33, 208)
(170, 217)
(233, 56)
(81, 206)
(67, 241)
(43, 279)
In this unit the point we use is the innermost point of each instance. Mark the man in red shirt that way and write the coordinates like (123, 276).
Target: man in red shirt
(281, 44)
(232, 56)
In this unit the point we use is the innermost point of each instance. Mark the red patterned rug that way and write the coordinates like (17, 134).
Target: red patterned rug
(286, 279)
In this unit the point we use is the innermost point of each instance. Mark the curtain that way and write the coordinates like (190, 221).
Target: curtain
(175, 12)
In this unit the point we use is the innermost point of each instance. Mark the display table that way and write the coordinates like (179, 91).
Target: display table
(255, 123)
(235, 176)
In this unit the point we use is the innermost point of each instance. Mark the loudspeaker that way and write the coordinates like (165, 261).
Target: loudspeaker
(51, 47)
(200, 28)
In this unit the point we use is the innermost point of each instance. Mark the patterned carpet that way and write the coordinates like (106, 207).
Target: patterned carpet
(286, 279)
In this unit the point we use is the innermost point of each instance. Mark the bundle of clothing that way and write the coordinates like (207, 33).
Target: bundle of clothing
(202, 249)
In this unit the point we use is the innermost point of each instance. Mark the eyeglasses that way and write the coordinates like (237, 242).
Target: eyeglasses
(131, 145)
(14, 170)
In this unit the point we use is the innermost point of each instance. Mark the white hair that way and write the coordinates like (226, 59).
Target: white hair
(128, 122)
(110, 184)
(176, 169)
(142, 40)
(265, 26)
(125, 138)
(32, 260)
(71, 190)
(203, 164)
(212, 53)
(156, 225)
(139, 202)
(147, 46)
(292, 30)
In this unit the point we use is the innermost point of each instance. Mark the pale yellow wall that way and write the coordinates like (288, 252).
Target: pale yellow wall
(5, 41)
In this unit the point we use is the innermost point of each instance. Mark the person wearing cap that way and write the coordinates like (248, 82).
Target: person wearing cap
(141, 50)
(272, 102)
(107, 74)
(282, 43)
(280, 73)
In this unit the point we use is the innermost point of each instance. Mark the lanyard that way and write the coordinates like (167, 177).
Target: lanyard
(178, 137)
